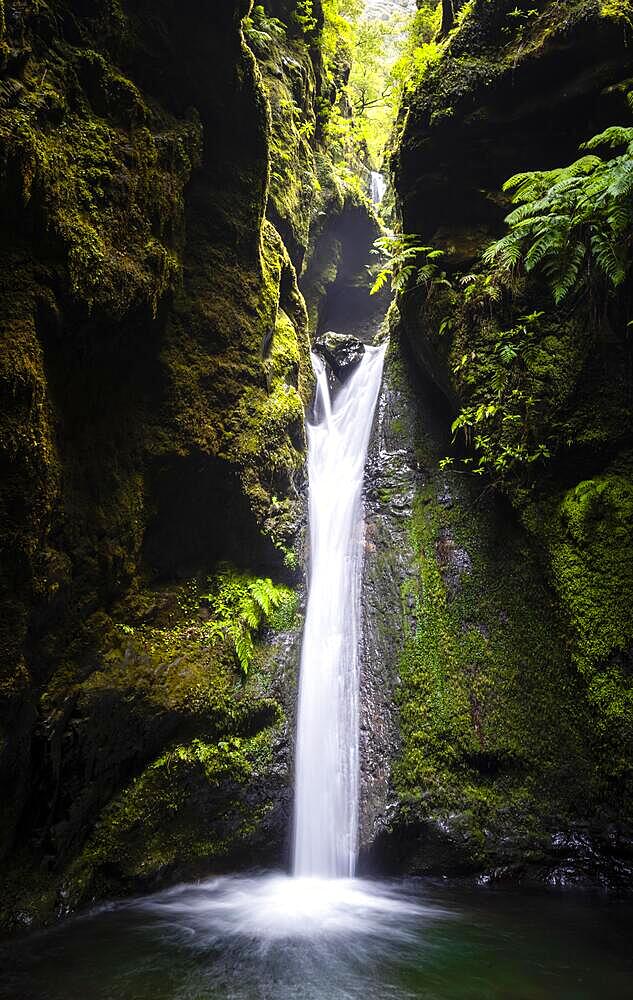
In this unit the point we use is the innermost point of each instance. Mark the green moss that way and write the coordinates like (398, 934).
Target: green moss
(250, 414)
(293, 181)
(591, 565)
(266, 437)
(587, 532)
(491, 715)
(109, 182)
(185, 808)
(490, 41)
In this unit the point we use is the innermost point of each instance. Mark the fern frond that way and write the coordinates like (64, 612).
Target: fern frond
(243, 644)
(529, 186)
(563, 279)
(621, 185)
(620, 217)
(614, 136)
(506, 252)
(585, 165)
(381, 281)
(608, 258)
(265, 594)
(547, 243)
(402, 277)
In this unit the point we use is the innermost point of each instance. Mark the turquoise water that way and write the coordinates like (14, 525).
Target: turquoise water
(273, 938)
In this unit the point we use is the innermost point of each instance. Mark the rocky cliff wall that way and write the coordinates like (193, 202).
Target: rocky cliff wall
(514, 685)
(153, 376)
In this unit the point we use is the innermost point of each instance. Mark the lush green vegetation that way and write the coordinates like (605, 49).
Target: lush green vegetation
(241, 604)
(387, 59)
(406, 264)
(570, 232)
(574, 224)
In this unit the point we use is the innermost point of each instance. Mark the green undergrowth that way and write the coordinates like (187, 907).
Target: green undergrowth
(520, 332)
(240, 605)
(174, 648)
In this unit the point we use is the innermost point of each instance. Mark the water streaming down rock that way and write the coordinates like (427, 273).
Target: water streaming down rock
(378, 187)
(326, 783)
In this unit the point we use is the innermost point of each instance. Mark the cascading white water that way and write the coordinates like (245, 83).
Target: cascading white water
(378, 187)
(326, 782)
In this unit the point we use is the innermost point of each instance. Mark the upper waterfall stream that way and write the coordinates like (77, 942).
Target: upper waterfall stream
(326, 782)
(378, 187)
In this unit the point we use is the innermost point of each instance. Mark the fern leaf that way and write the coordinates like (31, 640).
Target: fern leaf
(616, 135)
(544, 246)
(608, 258)
(506, 252)
(622, 184)
(566, 277)
(243, 644)
(381, 280)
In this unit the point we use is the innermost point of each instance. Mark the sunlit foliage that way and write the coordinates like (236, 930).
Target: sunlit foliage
(573, 225)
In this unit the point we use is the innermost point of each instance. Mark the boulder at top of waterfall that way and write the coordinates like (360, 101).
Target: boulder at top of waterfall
(341, 354)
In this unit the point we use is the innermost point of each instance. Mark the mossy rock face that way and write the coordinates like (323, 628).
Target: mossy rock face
(292, 76)
(515, 677)
(543, 76)
(316, 203)
(153, 378)
(509, 752)
(154, 759)
(587, 534)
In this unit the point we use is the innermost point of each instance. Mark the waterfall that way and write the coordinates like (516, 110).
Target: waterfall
(378, 187)
(326, 784)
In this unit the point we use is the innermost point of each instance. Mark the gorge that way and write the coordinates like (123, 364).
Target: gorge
(269, 607)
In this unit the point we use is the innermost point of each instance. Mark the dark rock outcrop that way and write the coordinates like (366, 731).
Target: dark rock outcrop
(342, 354)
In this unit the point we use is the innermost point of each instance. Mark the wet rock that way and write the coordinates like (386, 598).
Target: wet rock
(453, 561)
(391, 479)
(341, 354)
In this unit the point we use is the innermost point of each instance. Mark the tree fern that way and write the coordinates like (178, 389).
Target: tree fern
(406, 263)
(572, 215)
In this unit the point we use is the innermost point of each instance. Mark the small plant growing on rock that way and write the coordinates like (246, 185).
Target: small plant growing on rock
(241, 605)
(260, 30)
